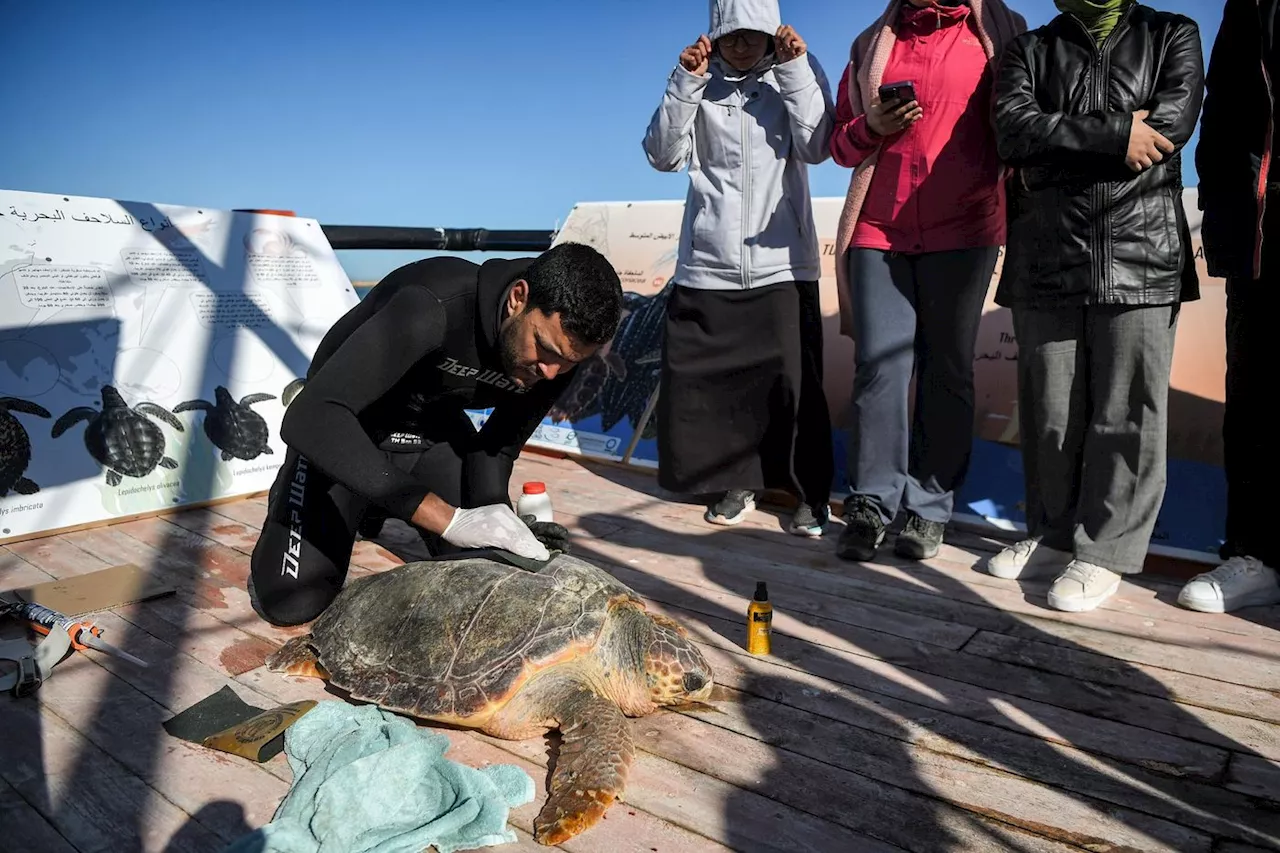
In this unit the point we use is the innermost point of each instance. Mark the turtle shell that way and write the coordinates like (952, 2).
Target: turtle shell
(238, 430)
(15, 451)
(125, 441)
(452, 640)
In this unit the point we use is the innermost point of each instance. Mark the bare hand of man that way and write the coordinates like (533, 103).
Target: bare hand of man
(695, 56)
(788, 44)
(1146, 146)
(889, 118)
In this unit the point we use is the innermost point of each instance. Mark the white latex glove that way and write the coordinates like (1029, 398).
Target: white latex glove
(494, 526)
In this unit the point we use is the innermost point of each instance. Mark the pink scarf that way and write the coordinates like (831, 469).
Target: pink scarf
(997, 25)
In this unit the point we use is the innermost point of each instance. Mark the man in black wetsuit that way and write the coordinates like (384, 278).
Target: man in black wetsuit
(380, 428)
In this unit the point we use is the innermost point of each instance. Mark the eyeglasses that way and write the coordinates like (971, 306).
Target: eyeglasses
(748, 38)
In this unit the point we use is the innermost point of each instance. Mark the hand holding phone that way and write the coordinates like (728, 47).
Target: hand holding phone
(895, 110)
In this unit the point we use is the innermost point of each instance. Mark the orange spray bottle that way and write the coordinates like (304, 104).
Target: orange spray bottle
(759, 621)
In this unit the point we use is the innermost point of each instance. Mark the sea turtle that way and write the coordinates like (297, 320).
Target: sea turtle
(475, 641)
(121, 438)
(234, 428)
(15, 446)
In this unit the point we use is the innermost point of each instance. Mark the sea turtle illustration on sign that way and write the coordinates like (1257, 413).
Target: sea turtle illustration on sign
(234, 428)
(476, 642)
(15, 446)
(122, 439)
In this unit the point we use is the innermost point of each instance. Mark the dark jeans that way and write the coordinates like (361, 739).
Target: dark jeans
(914, 313)
(1093, 393)
(1251, 455)
(301, 559)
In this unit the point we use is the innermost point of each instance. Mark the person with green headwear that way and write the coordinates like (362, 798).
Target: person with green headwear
(1092, 111)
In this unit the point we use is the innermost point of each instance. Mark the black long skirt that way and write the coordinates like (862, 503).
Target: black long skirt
(741, 404)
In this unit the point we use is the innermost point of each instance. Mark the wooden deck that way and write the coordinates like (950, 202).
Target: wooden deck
(925, 707)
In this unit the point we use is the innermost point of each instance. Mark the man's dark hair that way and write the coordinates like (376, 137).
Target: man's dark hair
(578, 283)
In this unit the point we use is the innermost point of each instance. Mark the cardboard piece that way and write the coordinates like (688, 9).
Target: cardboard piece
(225, 722)
(97, 591)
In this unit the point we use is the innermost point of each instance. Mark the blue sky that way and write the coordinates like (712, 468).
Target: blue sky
(469, 114)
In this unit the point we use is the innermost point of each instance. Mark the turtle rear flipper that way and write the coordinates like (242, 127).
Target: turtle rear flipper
(114, 478)
(71, 418)
(16, 404)
(190, 406)
(296, 657)
(25, 487)
(591, 770)
(250, 399)
(166, 462)
(227, 456)
(158, 411)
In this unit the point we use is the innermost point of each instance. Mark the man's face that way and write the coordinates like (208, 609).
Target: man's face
(534, 345)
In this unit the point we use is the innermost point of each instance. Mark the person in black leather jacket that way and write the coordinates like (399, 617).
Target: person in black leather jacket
(1091, 112)
(1240, 198)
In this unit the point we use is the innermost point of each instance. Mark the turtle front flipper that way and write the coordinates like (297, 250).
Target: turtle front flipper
(591, 769)
(190, 406)
(73, 417)
(160, 412)
(16, 404)
(256, 398)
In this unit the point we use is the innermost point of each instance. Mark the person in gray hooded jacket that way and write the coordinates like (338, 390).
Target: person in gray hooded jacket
(741, 405)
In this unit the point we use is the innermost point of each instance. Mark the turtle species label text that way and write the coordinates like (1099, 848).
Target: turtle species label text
(7, 510)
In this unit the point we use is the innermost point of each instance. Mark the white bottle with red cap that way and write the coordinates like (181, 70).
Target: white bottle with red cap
(535, 501)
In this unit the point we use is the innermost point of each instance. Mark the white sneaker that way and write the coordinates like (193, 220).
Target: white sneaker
(1027, 559)
(1083, 586)
(1239, 582)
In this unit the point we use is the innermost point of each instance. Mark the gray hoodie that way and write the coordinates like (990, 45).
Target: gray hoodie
(746, 138)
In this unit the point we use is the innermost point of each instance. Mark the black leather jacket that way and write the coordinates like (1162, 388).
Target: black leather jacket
(1083, 228)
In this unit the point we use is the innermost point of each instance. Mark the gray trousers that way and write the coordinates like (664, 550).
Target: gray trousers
(1093, 390)
(914, 313)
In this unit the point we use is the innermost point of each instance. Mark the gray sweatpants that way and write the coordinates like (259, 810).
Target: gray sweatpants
(1093, 390)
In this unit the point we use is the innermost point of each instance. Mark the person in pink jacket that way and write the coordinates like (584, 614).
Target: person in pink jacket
(916, 249)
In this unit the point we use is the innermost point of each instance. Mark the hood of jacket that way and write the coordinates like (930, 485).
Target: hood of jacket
(730, 15)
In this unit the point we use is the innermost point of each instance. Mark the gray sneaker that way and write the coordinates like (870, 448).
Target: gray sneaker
(806, 522)
(731, 508)
(1028, 559)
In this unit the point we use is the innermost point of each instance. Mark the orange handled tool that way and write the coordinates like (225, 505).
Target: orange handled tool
(84, 634)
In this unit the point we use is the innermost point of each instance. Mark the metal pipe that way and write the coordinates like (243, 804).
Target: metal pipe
(436, 239)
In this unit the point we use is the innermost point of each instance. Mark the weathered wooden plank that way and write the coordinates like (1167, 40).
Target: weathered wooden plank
(661, 552)
(1255, 776)
(1077, 712)
(627, 825)
(600, 496)
(92, 800)
(862, 804)
(1197, 805)
(24, 828)
(1119, 705)
(128, 725)
(1139, 678)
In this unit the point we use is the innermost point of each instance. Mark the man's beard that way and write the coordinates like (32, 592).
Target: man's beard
(508, 351)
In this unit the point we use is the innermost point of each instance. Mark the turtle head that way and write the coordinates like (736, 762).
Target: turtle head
(222, 396)
(111, 398)
(675, 670)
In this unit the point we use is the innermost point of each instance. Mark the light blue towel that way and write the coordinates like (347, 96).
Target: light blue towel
(368, 781)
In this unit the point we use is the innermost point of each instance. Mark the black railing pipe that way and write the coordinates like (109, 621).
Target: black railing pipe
(436, 239)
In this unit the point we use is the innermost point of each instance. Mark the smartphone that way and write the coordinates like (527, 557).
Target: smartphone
(904, 92)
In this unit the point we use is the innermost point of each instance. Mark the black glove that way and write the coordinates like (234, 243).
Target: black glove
(554, 537)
